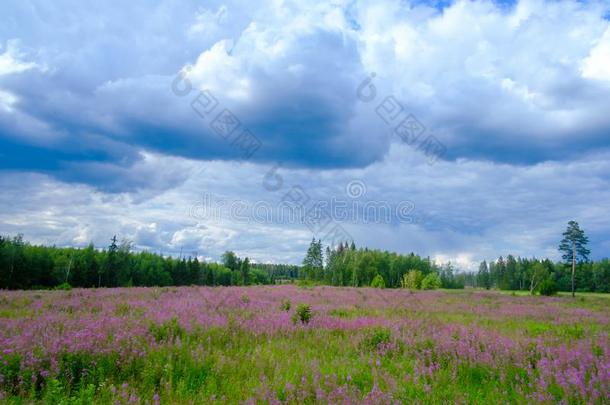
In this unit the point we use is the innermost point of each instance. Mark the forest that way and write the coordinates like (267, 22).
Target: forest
(27, 266)
(524, 274)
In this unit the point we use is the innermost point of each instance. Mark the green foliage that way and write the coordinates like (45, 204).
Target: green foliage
(276, 272)
(448, 277)
(286, 305)
(483, 276)
(259, 276)
(244, 269)
(378, 282)
(573, 246)
(302, 314)
(431, 282)
(600, 276)
(547, 287)
(348, 266)
(306, 283)
(230, 260)
(313, 263)
(412, 280)
(521, 274)
(24, 266)
(64, 287)
(538, 274)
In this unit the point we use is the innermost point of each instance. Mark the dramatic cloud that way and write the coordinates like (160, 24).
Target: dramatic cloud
(102, 129)
(465, 211)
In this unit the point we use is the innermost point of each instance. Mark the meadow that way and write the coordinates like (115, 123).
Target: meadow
(289, 344)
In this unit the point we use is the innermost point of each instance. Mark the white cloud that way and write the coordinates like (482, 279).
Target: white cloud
(7, 100)
(597, 64)
(208, 22)
(476, 70)
(11, 60)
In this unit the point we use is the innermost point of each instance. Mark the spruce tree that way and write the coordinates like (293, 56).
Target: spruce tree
(313, 263)
(483, 276)
(109, 268)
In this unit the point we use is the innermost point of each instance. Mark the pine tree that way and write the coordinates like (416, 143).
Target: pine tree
(574, 247)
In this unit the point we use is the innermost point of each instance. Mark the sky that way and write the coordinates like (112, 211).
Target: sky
(459, 130)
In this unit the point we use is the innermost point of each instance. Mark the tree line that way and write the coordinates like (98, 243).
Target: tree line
(25, 266)
(346, 265)
(535, 275)
(575, 273)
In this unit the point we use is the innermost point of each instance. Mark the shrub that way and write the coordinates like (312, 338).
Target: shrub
(302, 314)
(259, 277)
(412, 280)
(64, 287)
(431, 282)
(378, 282)
(547, 287)
(286, 304)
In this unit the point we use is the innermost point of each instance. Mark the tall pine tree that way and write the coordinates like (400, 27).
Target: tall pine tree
(574, 247)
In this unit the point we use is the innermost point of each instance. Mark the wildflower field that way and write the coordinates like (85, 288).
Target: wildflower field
(286, 344)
